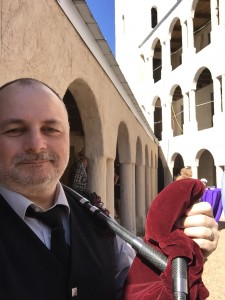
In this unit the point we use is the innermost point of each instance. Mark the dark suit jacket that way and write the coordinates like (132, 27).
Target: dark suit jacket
(29, 271)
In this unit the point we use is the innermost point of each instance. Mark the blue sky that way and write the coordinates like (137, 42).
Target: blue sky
(104, 14)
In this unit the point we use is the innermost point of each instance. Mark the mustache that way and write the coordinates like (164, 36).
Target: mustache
(42, 156)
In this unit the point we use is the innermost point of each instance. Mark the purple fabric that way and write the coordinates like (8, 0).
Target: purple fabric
(213, 197)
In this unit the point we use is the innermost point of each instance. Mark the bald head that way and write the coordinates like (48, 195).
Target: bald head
(27, 82)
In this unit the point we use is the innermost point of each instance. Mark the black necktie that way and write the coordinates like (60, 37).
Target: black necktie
(52, 218)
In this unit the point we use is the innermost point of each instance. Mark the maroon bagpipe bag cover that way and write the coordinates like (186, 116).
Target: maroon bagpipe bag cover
(144, 282)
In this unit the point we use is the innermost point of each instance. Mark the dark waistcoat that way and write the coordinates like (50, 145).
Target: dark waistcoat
(29, 271)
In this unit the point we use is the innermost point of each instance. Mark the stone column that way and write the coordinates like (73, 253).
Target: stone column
(214, 14)
(127, 192)
(154, 180)
(148, 198)
(150, 66)
(193, 120)
(97, 177)
(166, 58)
(166, 117)
(219, 176)
(140, 199)
(186, 112)
(184, 37)
(217, 96)
(222, 12)
(194, 171)
(190, 34)
(110, 186)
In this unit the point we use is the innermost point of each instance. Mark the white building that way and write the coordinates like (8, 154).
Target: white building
(172, 55)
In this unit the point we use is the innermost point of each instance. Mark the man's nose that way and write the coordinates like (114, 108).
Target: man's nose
(34, 141)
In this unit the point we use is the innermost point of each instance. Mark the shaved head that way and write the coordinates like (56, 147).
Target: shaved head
(27, 82)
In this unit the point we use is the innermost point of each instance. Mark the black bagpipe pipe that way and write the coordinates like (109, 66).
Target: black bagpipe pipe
(145, 251)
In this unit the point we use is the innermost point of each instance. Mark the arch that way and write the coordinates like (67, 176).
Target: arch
(206, 166)
(123, 144)
(175, 43)
(202, 26)
(178, 164)
(157, 59)
(204, 98)
(177, 111)
(85, 105)
(154, 16)
(158, 119)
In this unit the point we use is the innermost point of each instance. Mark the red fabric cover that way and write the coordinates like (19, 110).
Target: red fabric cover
(144, 282)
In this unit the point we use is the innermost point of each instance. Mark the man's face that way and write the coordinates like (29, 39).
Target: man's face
(34, 138)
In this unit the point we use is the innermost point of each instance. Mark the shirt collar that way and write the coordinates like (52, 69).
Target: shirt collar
(19, 203)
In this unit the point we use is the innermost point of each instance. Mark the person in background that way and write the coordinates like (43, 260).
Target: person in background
(34, 153)
(204, 181)
(77, 177)
(185, 172)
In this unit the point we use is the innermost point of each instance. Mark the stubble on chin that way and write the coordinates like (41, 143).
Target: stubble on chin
(26, 176)
(33, 182)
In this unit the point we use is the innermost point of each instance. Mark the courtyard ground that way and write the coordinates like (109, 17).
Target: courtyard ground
(214, 268)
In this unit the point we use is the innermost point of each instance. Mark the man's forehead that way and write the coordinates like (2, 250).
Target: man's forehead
(18, 86)
(31, 96)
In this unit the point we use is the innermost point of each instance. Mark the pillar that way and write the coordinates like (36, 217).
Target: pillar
(97, 177)
(217, 96)
(190, 34)
(140, 199)
(186, 112)
(193, 120)
(222, 12)
(184, 37)
(127, 192)
(194, 171)
(166, 119)
(166, 58)
(109, 203)
(214, 14)
(148, 198)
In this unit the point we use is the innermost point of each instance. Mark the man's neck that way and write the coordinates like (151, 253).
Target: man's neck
(45, 201)
(43, 197)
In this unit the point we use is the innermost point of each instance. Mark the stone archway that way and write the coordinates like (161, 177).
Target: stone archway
(139, 189)
(85, 129)
(206, 167)
(126, 170)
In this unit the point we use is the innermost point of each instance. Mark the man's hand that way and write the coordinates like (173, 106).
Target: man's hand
(200, 225)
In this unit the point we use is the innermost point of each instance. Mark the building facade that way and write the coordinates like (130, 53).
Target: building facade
(59, 43)
(178, 79)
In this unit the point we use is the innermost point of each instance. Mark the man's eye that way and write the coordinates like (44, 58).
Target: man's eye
(50, 130)
(14, 131)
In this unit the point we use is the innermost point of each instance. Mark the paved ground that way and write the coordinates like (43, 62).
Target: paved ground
(214, 268)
